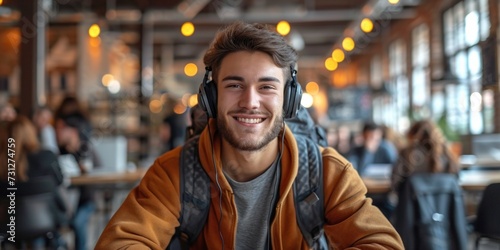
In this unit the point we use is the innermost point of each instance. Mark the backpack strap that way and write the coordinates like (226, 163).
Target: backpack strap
(308, 193)
(195, 193)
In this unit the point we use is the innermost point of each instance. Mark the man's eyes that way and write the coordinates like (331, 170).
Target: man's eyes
(268, 87)
(234, 86)
(240, 86)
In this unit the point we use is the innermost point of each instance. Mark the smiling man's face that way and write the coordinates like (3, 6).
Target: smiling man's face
(250, 99)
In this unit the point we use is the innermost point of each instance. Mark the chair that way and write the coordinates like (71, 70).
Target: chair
(430, 213)
(34, 204)
(487, 224)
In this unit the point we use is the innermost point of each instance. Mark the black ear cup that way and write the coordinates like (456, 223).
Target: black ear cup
(292, 97)
(207, 96)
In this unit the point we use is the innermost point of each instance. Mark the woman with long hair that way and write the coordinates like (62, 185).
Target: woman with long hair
(427, 152)
(20, 136)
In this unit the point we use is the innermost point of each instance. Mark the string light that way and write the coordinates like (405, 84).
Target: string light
(338, 55)
(312, 88)
(155, 106)
(330, 64)
(190, 69)
(348, 44)
(283, 27)
(187, 29)
(193, 100)
(106, 79)
(366, 25)
(94, 30)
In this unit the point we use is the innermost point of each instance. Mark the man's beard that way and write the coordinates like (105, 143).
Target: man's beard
(246, 145)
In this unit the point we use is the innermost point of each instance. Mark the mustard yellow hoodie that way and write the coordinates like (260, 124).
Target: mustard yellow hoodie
(149, 215)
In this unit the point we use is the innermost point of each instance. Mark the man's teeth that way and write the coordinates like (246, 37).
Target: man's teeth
(250, 120)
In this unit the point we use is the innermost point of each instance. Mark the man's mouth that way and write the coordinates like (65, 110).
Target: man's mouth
(249, 120)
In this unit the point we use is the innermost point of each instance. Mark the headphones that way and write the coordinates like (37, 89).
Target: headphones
(207, 95)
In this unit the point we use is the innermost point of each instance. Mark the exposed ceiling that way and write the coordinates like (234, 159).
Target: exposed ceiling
(317, 25)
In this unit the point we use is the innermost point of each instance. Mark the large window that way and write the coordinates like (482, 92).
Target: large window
(420, 80)
(398, 87)
(466, 24)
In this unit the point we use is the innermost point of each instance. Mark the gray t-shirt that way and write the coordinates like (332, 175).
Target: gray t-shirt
(254, 200)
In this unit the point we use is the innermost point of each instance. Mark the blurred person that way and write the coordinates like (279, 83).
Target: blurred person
(374, 150)
(70, 105)
(332, 137)
(32, 161)
(345, 140)
(7, 112)
(443, 224)
(392, 136)
(43, 119)
(427, 152)
(73, 136)
(172, 131)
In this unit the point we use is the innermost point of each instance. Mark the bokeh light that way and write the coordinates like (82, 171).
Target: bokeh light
(331, 64)
(187, 29)
(94, 30)
(283, 27)
(366, 25)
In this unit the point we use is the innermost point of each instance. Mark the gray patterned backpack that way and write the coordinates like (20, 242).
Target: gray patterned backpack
(307, 187)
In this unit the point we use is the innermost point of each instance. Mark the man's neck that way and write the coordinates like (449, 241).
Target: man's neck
(246, 165)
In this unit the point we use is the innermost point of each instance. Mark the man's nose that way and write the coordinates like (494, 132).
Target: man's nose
(250, 98)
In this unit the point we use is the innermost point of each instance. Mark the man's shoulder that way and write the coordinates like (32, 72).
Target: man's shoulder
(169, 157)
(333, 157)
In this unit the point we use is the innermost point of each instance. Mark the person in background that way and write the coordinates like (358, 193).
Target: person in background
(332, 136)
(172, 131)
(73, 132)
(374, 150)
(70, 105)
(392, 136)
(345, 140)
(32, 161)
(251, 159)
(43, 119)
(7, 112)
(427, 152)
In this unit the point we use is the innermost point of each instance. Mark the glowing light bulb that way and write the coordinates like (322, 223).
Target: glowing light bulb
(330, 64)
(338, 55)
(348, 44)
(283, 27)
(366, 25)
(190, 69)
(94, 30)
(187, 29)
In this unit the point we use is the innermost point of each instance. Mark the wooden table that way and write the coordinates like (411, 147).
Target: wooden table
(477, 180)
(111, 188)
(106, 178)
(470, 180)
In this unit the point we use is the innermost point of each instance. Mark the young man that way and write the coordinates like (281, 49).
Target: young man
(251, 158)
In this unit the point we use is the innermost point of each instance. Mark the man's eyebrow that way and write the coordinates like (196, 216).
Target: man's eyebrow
(269, 79)
(262, 79)
(235, 78)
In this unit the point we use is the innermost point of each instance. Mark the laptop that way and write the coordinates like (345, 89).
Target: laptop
(112, 153)
(378, 171)
(69, 166)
